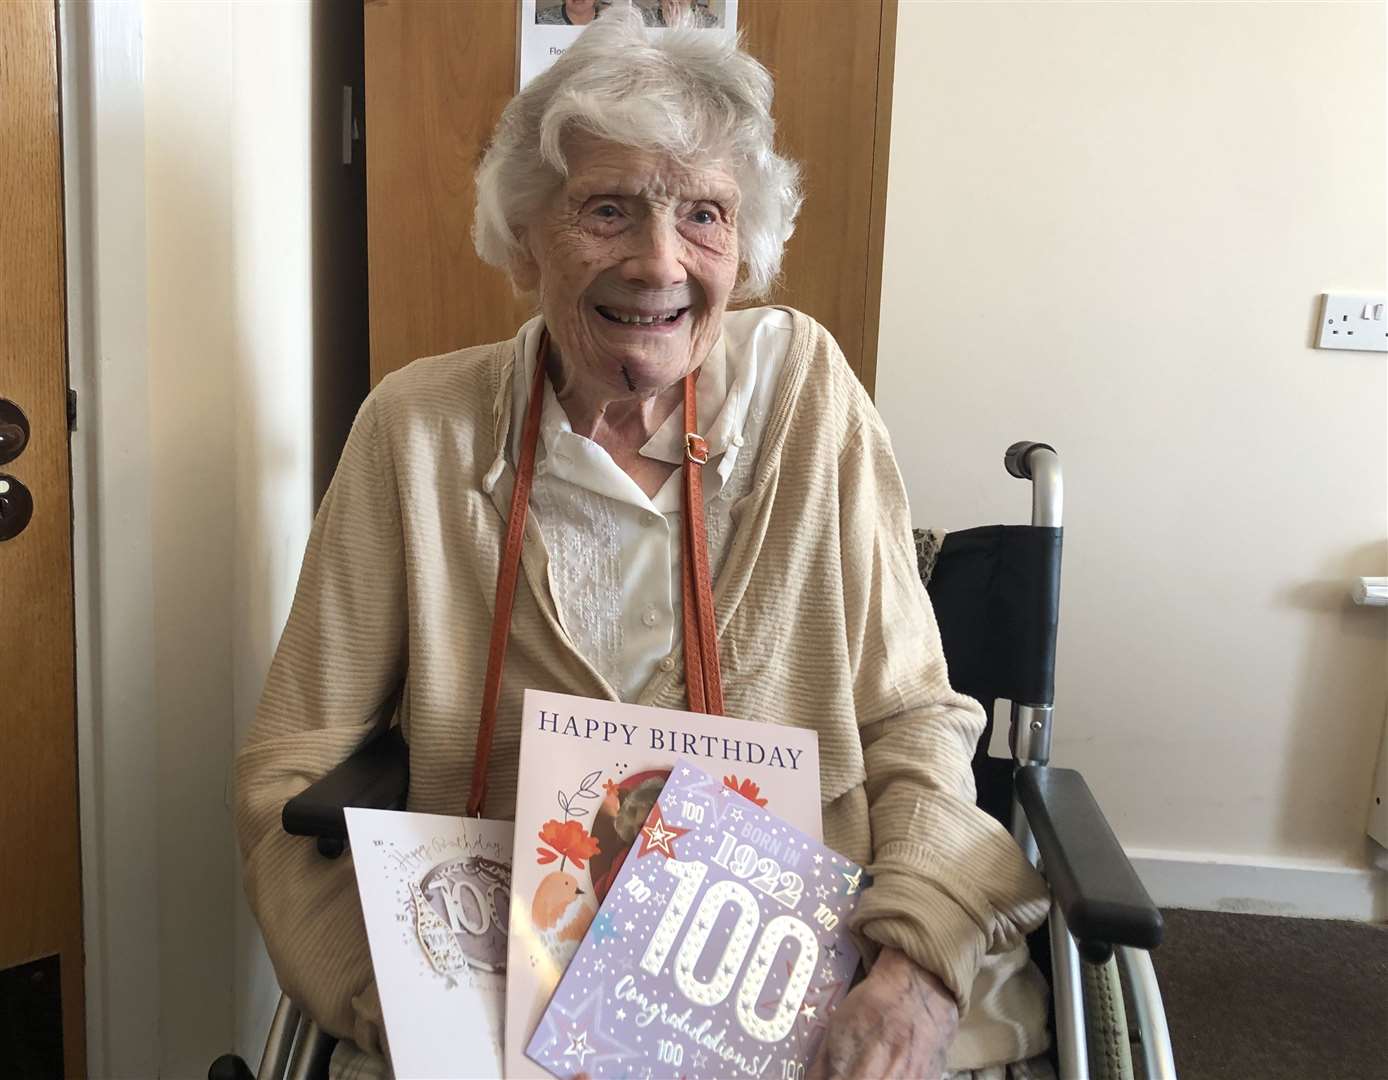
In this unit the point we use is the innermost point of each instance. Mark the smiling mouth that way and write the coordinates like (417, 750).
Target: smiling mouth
(639, 318)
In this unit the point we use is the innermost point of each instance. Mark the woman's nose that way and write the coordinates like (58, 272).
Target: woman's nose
(654, 261)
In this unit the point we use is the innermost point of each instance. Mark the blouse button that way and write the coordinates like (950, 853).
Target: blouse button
(738, 440)
(650, 618)
(667, 664)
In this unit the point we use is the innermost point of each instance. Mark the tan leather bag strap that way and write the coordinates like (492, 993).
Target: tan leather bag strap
(701, 667)
(702, 671)
(506, 585)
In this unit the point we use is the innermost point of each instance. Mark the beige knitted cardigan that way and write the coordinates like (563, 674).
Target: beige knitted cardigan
(822, 622)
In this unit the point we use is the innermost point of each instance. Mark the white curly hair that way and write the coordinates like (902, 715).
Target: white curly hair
(689, 92)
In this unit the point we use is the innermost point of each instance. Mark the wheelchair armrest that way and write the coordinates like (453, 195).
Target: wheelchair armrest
(376, 776)
(1095, 885)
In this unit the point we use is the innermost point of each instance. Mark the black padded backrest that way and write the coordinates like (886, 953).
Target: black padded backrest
(996, 594)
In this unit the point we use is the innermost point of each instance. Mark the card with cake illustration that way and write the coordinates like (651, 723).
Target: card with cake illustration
(720, 951)
(436, 896)
(590, 772)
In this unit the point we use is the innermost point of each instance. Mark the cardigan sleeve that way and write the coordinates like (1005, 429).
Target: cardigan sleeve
(341, 653)
(949, 884)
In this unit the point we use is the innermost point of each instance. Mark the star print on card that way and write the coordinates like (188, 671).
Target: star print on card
(579, 1048)
(707, 793)
(657, 836)
(578, 1035)
(729, 962)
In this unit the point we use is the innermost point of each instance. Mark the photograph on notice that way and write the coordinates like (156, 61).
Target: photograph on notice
(703, 14)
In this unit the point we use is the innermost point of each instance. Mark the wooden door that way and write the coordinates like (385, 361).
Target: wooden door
(437, 77)
(41, 1015)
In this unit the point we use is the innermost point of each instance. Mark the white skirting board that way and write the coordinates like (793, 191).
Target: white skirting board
(1299, 888)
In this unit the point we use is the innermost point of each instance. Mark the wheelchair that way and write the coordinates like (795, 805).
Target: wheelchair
(996, 592)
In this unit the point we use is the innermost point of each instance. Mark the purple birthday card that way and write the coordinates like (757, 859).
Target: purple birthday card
(590, 772)
(719, 951)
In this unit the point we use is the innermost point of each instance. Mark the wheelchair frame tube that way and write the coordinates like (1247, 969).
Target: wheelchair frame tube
(280, 1041)
(1072, 1045)
(1031, 724)
(1031, 727)
(1047, 488)
(1157, 1059)
(310, 1053)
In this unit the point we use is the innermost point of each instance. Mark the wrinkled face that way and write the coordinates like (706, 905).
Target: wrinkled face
(582, 8)
(633, 261)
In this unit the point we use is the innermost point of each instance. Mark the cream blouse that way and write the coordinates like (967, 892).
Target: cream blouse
(614, 553)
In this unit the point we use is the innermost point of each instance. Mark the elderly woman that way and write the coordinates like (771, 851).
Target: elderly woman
(634, 191)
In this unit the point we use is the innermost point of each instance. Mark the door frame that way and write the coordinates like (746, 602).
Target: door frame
(101, 61)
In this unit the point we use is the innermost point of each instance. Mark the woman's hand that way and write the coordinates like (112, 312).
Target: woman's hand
(898, 1022)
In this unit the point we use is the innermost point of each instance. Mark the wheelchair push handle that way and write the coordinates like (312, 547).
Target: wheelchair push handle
(1039, 463)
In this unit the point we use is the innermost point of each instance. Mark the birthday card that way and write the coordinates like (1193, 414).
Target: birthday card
(722, 948)
(436, 895)
(590, 772)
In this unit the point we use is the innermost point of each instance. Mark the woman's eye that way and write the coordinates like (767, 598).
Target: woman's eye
(606, 211)
(704, 216)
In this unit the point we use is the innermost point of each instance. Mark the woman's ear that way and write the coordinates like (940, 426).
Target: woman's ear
(525, 271)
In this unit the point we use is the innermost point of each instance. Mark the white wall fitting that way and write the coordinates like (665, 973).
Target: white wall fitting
(117, 748)
(193, 373)
(191, 304)
(1079, 196)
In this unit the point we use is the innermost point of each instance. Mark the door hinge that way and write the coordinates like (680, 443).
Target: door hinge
(351, 130)
(71, 409)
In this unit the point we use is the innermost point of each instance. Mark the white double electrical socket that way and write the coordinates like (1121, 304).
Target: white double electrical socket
(1353, 321)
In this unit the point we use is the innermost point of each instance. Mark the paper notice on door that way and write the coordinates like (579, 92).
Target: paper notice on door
(549, 27)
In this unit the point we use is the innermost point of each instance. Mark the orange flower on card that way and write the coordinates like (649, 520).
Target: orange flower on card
(569, 840)
(747, 789)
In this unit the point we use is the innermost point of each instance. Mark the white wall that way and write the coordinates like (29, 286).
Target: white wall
(274, 305)
(1107, 228)
(192, 309)
(192, 374)
(227, 173)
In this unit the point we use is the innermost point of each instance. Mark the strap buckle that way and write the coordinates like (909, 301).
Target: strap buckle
(695, 448)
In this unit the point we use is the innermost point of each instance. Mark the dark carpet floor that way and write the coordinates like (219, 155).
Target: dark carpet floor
(1252, 997)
